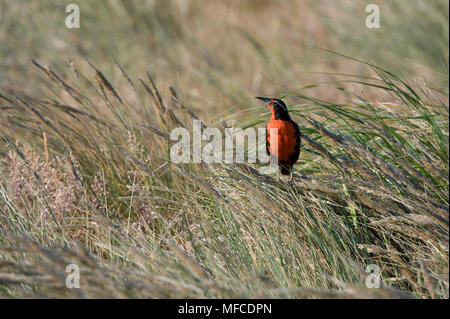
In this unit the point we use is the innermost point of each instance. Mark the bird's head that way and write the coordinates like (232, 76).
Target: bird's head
(277, 108)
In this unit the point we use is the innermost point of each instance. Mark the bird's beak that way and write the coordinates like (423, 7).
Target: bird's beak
(265, 99)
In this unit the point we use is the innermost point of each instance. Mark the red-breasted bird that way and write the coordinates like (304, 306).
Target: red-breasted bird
(287, 148)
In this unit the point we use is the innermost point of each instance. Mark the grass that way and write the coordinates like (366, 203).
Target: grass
(86, 175)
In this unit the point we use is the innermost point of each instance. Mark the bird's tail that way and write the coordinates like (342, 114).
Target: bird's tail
(285, 169)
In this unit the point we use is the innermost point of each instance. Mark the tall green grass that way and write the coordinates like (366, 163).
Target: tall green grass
(87, 179)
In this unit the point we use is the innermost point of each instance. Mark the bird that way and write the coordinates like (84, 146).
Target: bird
(287, 148)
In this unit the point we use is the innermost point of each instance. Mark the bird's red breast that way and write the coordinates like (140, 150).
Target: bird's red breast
(287, 139)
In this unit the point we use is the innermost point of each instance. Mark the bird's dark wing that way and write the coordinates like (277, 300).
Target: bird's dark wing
(298, 135)
(267, 142)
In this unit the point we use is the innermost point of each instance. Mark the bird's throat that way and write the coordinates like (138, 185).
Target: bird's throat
(272, 111)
